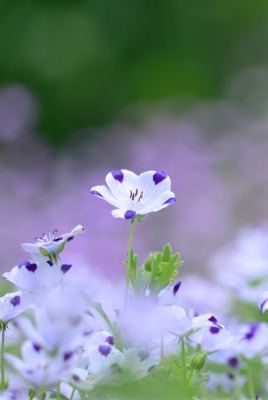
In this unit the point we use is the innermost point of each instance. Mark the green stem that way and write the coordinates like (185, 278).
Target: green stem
(2, 358)
(58, 391)
(129, 251)
(250, 384)
(72, 395)
(184, 369)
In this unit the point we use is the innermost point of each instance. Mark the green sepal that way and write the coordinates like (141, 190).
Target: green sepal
(31, 394)
(61, 248)
(44, 252)
(199, 360)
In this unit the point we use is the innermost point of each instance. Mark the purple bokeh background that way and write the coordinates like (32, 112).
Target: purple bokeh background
(214, 152)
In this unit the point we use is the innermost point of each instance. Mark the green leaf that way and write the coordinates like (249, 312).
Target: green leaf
(54, 395)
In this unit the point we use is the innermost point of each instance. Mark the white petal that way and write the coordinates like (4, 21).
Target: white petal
(158, 203)
(121, 190)
(107, 195)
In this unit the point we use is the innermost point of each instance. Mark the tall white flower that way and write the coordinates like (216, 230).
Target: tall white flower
(134, 195)
(52, 244)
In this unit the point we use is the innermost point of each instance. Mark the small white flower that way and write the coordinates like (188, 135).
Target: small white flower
(39, 367)
(135, 195)
(51, 244)
(13, 304)
(38, 277)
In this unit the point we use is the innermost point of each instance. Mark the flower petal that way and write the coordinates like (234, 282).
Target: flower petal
(104, 193)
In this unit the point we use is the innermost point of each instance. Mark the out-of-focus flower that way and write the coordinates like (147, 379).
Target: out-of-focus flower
(13, 304)
(39, 367)
(51, 245)
(38, 277)
(253, 339)
(104, 364)
(135, 195)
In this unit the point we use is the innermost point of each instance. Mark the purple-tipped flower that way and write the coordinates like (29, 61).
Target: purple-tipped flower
(51, 244)
(133, 194)
(13, 304)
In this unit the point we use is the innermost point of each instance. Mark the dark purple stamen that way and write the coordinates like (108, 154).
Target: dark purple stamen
(70, 238)
(176, 287)
(31, 267)
(130, 214)
(95, 193)
(110, 340)
(233, 362)
(104, 350)
(67, 355)
(76, 378)
(159, 176)
(231, 376)
(118, 175)
(50, 263)
(170, 201)
(15, 301)
(65, 267)
(151, 368)
(214, 330)
(57, 239)
(36, 347)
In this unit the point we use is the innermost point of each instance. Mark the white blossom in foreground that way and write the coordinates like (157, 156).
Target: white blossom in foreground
(134, 195)
(38, 277)
(104, 364)
(13, 304)
(51, 244)
(39, 367)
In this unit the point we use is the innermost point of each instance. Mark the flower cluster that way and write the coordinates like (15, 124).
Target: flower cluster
(59, 341)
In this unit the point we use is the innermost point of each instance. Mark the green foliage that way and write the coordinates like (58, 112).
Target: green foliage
(85, 61)
(158, 271)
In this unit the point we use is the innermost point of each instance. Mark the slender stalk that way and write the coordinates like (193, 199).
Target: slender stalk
(72, 394)
(2, 358)
(129, 250)
(58, 391)
(250, 384)
(184, 369)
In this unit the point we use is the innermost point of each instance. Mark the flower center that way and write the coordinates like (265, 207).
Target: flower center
(135, 195)
(45, 239)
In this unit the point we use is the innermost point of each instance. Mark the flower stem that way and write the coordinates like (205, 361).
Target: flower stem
(2, 358)
(58, 391)
(184, 369)
(72, 394)
(129, 251)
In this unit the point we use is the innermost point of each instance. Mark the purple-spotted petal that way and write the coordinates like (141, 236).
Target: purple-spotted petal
(118, 175)
(129, 214)
(15, 301)
(171, 200)
(31, 267)
(65, 267)
(104, 350)
(176, 287)
(159, 176)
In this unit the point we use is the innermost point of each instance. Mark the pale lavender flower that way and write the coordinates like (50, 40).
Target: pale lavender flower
(104, 364)
(253, 339)
(38, 277)
(135, 195)
(51, 244)
(39, 367)
(13, 304)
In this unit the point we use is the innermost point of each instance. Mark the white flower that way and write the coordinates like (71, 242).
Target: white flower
(13, 304)
(133, 194)
(37, 278)
(104, 364)
(51, 244)
(39, 367)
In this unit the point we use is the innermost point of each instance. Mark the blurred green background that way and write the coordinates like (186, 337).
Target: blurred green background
(85, 61)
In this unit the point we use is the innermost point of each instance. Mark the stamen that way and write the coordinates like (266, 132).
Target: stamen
(130, 194)
(141, 196)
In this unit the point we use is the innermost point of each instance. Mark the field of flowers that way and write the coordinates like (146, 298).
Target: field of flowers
(156, 336)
